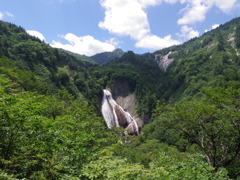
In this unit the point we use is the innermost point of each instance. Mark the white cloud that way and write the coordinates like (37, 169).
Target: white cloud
(36, 34)
(213, 27)
(86, 45)
(1, 15)
(188, 32)
(125, 18)
(225, 5)
(196, 10)
(171, 1)
(145, 3)
(113, 41)
(9, 14)
(6, 13)
(155, 42)
(128, 18)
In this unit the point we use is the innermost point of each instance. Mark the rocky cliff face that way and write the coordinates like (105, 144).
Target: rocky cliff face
(163, 61)
(126, 98)
(129, 104)
(116, 116)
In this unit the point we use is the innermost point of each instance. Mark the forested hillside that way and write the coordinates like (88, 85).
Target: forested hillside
(211, 60)
(80, 59)
(51, 126)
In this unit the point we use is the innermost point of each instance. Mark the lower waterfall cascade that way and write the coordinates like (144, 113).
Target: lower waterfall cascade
(115, 116)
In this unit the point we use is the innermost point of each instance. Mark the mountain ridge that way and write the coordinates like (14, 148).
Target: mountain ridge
(106, 57)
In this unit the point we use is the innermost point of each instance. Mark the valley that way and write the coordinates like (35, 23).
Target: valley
(170, 114)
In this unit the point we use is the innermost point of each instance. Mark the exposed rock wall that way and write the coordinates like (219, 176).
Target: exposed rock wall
(163, 61)
(129, 104)
(115, 115)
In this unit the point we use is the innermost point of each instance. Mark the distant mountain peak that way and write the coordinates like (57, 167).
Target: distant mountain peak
(118, 50)
(106, 57)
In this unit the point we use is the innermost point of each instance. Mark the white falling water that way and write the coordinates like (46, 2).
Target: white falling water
(115, 116)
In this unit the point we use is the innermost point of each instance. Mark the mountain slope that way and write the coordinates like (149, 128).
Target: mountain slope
(79, 58)
(106, 57)
(211, 60)
(199, 95)
(57, 69)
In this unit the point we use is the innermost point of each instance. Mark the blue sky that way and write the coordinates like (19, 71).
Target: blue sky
(93, 26)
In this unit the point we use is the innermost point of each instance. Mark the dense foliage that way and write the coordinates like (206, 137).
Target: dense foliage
(59, 69)
(45, 136)
(213, 125)
(51, 128)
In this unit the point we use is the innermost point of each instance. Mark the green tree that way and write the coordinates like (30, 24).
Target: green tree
(237, 36)
(163, 167)
(213, 126)
(220, 46)
(46, 137)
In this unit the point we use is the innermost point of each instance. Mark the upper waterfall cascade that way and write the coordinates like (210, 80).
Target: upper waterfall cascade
(163, 61)
(115, 116)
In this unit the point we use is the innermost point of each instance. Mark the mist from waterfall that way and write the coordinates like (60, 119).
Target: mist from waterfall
(115, 116)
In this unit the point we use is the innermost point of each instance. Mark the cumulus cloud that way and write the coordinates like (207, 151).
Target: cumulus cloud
(1, 15)
(128, 18)
(86, 45)
(113, 41)
(9, 14)
(125, 18)
(6, 13)
(36, 34)
(155, 42)
(224, 5)
(213, 27)
(146, 3)
(196, 10)
(188, 32)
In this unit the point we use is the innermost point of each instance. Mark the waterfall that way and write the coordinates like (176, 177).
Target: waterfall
(115, 116)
